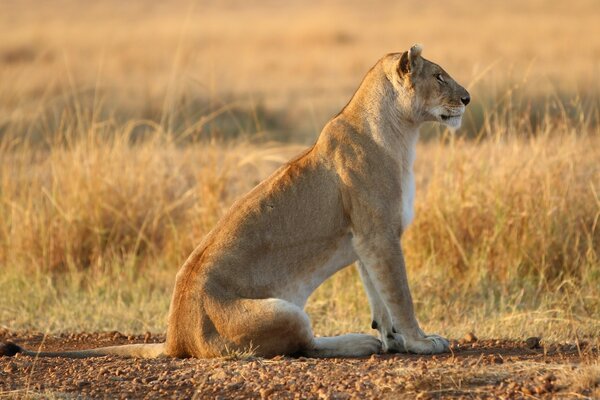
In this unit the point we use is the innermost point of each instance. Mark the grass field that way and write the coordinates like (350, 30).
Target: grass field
(127, 130)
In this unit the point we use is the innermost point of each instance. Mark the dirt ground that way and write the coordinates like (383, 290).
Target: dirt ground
(474, 369)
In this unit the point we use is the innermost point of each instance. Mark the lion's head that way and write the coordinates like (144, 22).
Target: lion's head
(424, 89)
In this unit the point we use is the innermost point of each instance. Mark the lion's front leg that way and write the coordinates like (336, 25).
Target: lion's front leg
(383, 262)
(380, 316)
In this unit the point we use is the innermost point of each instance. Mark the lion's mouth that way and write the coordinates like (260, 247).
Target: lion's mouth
(446, 117)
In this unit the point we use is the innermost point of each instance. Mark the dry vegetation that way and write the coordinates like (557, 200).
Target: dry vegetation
(511, 222)
(116, 154)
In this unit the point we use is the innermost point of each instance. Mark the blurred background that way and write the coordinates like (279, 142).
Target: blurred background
(127, 128)
(280, 69)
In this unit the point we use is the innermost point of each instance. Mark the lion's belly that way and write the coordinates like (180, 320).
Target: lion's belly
(302, 285)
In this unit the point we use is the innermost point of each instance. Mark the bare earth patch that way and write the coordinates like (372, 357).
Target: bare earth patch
(480, 369)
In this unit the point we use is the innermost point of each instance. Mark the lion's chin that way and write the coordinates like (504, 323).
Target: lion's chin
(451, 121)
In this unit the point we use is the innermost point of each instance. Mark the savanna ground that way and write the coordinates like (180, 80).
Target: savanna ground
(128, 128)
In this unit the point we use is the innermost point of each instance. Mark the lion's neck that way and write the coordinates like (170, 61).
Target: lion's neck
(375, 112)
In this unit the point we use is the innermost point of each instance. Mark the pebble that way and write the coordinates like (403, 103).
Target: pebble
(219, 375)
(533, 342)
(10, 368)
(497, 359)
(266, 392)
(470, 338)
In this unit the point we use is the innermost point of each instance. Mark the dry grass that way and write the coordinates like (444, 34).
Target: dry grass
(105, 185)
(170, 62)
(510, 221)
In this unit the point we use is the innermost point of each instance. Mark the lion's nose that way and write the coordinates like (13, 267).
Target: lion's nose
(465, 100)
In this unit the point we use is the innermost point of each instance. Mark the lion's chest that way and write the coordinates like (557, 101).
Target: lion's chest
(407, 185)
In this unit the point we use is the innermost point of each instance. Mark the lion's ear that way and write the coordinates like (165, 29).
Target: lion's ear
(404, 65)
(414, 57)
(411, 60)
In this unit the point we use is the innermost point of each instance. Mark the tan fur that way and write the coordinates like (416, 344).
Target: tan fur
(246, 285)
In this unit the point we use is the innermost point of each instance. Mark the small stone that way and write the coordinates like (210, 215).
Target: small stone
(533, 342)
(549, 377)
(470, 338)
(266, 392)
(527, 390)
(219, 375)
(539, 390)
(234, 386)
(10, 368)
(149, 379)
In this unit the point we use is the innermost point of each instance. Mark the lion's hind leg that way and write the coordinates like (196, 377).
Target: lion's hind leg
(265, 327)
(270, 327)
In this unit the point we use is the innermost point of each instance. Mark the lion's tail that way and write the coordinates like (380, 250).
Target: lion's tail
(142, 350)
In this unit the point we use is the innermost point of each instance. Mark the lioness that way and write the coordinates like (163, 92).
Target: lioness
(348, 198)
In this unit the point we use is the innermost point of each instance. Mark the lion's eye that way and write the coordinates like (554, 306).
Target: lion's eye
(440, 78)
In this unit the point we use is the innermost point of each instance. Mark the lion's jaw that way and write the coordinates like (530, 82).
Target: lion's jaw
(448, 115)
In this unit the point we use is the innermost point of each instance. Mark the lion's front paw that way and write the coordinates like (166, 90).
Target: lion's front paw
(393, 343)
(429, 344)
